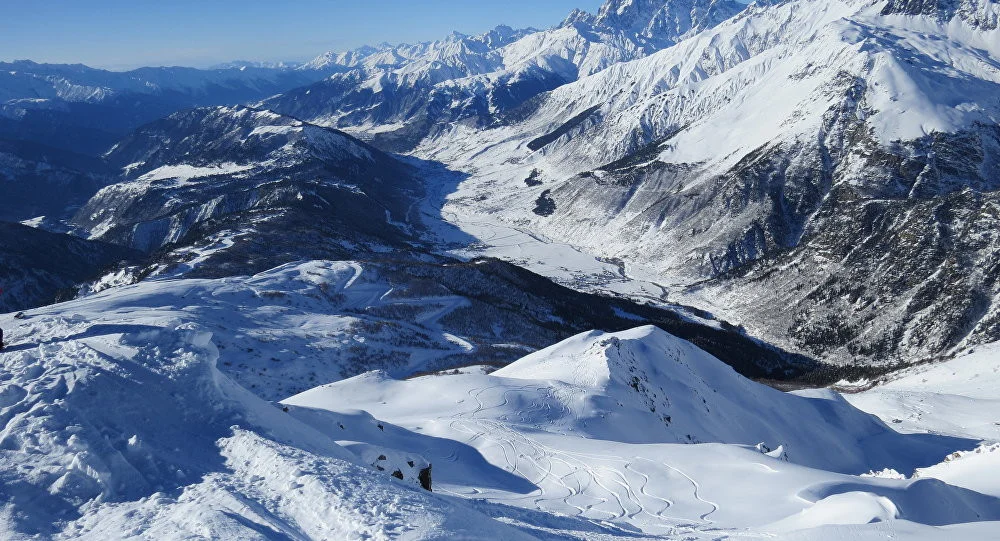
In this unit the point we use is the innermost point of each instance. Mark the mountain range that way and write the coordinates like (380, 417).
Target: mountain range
(578, 281)
(765, 168)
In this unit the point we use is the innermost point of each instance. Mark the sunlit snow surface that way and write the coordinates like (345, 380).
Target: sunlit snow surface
(118, 421)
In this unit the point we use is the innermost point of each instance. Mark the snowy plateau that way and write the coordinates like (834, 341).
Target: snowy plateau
(678, 269)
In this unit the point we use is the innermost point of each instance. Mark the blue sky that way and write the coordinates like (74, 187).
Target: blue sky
(120, 34)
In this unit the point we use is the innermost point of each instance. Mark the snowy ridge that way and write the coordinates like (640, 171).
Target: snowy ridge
(572, 422)
(140, 411)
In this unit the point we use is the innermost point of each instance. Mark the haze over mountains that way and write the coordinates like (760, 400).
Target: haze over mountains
(535, 270)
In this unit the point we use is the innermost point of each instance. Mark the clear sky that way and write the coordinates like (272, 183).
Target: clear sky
(121, 34)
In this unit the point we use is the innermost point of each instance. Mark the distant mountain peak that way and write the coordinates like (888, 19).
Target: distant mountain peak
(980, 13)
(578, 16)
(665, 19)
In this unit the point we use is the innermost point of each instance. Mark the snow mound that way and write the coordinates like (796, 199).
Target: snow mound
(643, 429)
(647, 386)
(847, 508)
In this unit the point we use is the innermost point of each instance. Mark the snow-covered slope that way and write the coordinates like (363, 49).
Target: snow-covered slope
(959, 398)
(572, 429)
(404, 92)
(786, 131)
(141, 412)
(115, 427)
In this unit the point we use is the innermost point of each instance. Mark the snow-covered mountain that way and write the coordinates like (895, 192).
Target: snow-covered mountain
(83, 109)
(780, 155)
(405, 92)
(228, 168)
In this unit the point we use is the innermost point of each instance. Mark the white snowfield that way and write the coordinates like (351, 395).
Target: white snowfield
(115, 422)
(960, 397)
(119, 419)
(185, 172)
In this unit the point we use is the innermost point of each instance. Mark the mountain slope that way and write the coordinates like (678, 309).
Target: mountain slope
(769, 143)
(38, 267)
(220, 170)
(39, 181)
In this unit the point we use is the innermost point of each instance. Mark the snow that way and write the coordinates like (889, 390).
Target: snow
(139, 411)
(185, 172)
(178, 408)
(977, 470)
(958, 397)
(564, 431)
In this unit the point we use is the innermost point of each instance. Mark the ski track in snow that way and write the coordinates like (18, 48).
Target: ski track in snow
(662, 489)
